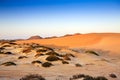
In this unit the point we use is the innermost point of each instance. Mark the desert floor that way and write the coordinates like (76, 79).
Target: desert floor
(106, 62)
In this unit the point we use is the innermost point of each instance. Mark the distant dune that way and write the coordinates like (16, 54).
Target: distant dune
(107, 41)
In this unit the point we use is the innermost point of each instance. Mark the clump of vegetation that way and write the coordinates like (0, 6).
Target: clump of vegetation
(78, 65)
(12, 43)
(65, 62)
(22, 57)
(52, 58)
(8, 53)
(35, 45)
(113, 75)
(2, 48)
(27, 50)
(66, 57)
(100, 78)
(33, 77)
(40, 54)
(41, 50)
(44, 48)
(37, 61)
(1, 52)
(71, 55)
(52, 53)
(92, 52)
(8, 64)
(6, 46)
(77, 76)
(47, 64)
(87, 77)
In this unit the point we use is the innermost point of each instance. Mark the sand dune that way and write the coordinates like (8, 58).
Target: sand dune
(108, 41)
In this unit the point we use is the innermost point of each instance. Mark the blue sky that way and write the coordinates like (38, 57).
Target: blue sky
(23, 18)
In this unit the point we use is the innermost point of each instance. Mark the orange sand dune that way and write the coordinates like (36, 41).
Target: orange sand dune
(100, 40)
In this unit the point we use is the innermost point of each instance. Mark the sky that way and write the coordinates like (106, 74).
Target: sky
(20, 19)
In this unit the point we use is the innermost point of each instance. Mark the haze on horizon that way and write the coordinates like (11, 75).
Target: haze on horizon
(23, 18)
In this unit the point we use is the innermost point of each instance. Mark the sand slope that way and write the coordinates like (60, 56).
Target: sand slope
(108, 41)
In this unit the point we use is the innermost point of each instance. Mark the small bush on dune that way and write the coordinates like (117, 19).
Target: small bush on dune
(87, 77)
(2, 48)
(92, 52)
(40, 54)
(13, 43)
(52, 53)
(65, 62)
(113, 75)
(33, 77)
(66, 57)
(78, 76)
(100, 78)
(78, 65)
(7, 46)
(41, 50)
(8, 64)
(21, 57)
(71, 55)
(8, 53)
(52, 58)
(27, 50)
(47, 64)
(1, 52)
(37, 61)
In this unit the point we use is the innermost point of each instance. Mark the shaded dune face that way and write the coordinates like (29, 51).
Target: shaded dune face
(93, 40)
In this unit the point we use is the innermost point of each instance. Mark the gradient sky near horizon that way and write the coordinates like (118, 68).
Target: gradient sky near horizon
(24, 18)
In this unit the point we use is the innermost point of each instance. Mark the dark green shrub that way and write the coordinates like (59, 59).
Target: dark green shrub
(52, 58)
(78, 65)
(65, 62)
(8, 64)
(21, 57)
(33, 77)
(37, 61)
(92, 52)
(47, 64)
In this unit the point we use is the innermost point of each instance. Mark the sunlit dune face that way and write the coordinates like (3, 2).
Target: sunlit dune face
(68, 41)
(102, 41)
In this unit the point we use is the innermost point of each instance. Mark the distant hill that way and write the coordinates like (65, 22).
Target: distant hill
(35, 37)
